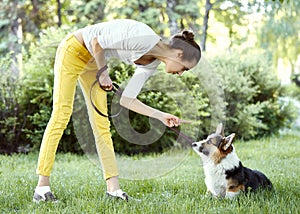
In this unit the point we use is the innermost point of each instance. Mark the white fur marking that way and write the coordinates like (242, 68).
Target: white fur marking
(231, 195)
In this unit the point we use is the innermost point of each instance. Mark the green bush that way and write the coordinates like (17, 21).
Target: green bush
(292, 90)
(12, 111)
(252, 91)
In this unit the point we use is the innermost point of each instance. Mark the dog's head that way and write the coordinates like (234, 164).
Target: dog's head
(216, 146)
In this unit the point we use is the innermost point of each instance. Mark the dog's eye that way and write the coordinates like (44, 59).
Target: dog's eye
(232, 187)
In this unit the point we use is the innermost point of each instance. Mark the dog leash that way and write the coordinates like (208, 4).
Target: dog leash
(115, 88)
(180, 134)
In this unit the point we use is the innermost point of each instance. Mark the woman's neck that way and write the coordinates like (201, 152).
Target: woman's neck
(159, 51)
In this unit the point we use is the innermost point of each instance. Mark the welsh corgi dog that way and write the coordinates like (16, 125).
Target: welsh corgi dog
(225, 175)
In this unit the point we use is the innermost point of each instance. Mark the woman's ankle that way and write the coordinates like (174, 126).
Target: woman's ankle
(43, 181)
(112, 184)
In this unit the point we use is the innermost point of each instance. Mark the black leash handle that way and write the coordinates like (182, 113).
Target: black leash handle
(100, 71)
(115, 88)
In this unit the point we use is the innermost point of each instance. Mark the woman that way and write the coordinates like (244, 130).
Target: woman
(79, 57)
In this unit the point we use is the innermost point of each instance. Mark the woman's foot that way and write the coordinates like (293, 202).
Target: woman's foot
(113, 189)
(43, 194)
(119, 194)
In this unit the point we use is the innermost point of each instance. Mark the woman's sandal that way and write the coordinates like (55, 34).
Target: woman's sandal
(119, 194)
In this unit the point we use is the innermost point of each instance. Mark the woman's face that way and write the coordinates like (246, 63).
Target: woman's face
(178, 66)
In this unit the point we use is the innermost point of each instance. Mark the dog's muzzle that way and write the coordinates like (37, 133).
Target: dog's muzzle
(197, 147)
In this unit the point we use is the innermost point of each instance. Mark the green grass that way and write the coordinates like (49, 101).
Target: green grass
(78, 184)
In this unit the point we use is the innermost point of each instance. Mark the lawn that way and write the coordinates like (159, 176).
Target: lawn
(78, 184)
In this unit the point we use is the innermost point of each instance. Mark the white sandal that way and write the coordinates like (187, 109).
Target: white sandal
(118, 194)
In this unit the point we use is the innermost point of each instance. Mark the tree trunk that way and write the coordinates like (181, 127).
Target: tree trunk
(59, 12)
(15, 40)
(172, 16)
(208, 6)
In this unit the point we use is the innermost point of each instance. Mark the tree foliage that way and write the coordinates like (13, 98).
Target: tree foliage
(280, 33)
(12, 111)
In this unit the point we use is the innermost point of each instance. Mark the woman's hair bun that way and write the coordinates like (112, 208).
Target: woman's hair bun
(188, 35)
(184, 41)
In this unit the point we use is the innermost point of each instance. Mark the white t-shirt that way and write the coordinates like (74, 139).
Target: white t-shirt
(127, 40)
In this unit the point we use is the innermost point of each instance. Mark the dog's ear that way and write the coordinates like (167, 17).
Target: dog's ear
(228, 141)
(220, 129)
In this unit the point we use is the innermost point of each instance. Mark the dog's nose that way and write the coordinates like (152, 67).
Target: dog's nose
(194, 144)
(201, 148)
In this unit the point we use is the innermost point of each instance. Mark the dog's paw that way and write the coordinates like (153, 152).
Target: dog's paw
(208, 194)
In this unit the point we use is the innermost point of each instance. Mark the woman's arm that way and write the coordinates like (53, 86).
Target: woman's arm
(98, 53)
(139, 107)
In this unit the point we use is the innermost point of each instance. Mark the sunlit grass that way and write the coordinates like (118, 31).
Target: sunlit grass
(78, 184)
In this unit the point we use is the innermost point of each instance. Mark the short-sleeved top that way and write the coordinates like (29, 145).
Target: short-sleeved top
(127, 40)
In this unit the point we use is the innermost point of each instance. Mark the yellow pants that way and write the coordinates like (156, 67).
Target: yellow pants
(74, 63)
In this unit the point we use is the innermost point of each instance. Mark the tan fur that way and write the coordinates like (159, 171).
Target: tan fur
(233, 186)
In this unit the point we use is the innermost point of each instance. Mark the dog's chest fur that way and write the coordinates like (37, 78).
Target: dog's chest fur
(215, 173)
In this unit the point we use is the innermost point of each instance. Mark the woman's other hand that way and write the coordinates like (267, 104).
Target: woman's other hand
(105, 81)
